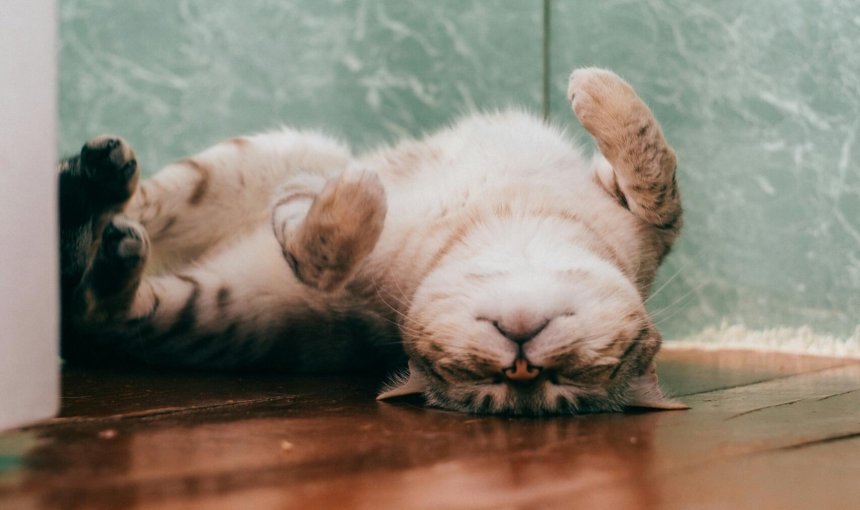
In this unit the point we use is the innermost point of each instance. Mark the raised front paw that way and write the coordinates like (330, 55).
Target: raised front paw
(607, 107)
(642, 176)
(341, 228)
(109, 164)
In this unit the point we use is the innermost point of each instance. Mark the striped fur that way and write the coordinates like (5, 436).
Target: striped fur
(486, 253)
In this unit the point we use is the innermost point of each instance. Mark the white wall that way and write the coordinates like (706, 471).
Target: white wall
(28, 217)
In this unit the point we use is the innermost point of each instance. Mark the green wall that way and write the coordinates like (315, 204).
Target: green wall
(760, 98)
(176, 75)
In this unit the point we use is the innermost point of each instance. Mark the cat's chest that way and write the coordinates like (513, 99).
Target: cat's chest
(471, 192)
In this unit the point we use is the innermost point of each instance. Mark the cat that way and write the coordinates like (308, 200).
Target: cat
(506, 271)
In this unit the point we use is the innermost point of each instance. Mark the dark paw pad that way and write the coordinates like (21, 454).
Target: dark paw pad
(110, 165)
(121, 258)
(125, 244)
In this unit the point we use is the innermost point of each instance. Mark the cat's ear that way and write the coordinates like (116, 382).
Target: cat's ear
(404, 384)
(644, 391)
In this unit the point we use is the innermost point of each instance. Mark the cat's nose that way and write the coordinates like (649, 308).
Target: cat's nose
(518, 330)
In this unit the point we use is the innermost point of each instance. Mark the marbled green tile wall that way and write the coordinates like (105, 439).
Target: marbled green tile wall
(173, 76)
(760, 98)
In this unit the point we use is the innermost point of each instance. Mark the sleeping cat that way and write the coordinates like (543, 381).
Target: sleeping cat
(510, 271)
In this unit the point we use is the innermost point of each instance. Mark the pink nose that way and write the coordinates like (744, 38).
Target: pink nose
(521, 371)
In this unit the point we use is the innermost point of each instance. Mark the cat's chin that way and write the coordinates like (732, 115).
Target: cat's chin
(539, 398)
(506, 399)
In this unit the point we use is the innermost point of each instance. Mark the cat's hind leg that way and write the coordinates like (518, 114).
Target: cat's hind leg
(236, 307)
(226, 311)
(642, 173)
(102, 254)
(94, 185)
(239, 306)
(108, 287)
(327, 228)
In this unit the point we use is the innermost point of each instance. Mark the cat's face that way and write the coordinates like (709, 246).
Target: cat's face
(535, 330)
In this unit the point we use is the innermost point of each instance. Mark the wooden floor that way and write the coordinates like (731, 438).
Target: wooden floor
(765, 431)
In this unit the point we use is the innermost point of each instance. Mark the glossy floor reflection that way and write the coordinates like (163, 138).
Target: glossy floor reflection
(764, 431)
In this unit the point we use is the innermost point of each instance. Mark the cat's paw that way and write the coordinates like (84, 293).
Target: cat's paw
(341, 228)
(109, 164)
(109, 286)
(121, 257)
(125, 242)
(606, 105)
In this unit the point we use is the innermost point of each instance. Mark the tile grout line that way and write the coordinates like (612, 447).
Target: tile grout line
(545, 64)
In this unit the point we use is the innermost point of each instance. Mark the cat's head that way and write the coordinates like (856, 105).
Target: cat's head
(533, 327)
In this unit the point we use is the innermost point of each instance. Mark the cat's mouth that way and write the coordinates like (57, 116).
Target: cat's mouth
(521, 375)
(522, 372)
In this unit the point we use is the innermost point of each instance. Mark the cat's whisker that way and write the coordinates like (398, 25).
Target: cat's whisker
(405, 299)
(402, 300)
(379, 292)
(678, 272)
(657, 315)
(665, 318)
(382, 297)
(394, 309)
(402, 327)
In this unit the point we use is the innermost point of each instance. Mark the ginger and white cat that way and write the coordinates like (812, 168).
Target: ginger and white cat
(508, 269)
